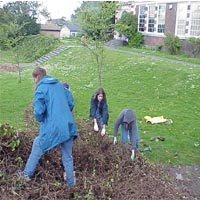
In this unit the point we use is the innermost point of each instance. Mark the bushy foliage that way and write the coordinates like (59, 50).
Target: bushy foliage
(196, 43)
(172, 43)
(23, 13)
(17, 19)
(8, 137)
(97, 22)
(97, 19)
(136, 41)
(159, 46)
(127, 25)
(34, 46)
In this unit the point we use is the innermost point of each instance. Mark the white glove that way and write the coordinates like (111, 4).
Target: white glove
(133, 155)
(96, 128)
(65, 176)
(103, 131)
(115, 140)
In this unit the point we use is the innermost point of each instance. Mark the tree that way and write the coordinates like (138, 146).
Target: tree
(14, 42)
(44, 13)
(23, 12)
(127, 25)
(97, 22)
(86, 5)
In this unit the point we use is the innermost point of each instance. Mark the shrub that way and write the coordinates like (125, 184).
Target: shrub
(159, 46)
(196, 43)
(136, 41)
(37, 45)
(8, 137)
(172, 43)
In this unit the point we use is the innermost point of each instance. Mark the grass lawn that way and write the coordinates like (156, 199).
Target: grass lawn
(150, 87)
(181, 57)
(6, 57)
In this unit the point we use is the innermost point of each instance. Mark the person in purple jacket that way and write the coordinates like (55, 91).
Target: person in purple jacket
(129, 128)
(52, 108)
(69, 96)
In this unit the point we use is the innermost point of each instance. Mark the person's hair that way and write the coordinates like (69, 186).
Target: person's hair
(38, 71)
(99, 91)
(66, 85)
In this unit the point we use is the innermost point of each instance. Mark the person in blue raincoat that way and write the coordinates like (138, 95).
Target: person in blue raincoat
(57, 125)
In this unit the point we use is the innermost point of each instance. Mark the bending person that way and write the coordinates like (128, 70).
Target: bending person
(57, 125)
(128, 123)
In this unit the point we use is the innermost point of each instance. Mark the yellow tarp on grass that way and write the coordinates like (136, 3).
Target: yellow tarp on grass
(157, 120)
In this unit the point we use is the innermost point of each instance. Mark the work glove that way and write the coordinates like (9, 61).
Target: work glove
(103, 131)
(65, 176)
(148, 148)
(96, 128)
(115, 140)
(133, 155)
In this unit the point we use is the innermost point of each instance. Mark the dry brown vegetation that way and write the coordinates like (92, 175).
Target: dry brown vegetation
(103, 171)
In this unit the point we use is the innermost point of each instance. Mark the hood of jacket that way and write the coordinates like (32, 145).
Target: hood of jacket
(128, 116)
(47, 80)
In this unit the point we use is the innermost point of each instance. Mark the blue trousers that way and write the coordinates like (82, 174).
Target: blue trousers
(124, 136)
(67, 159)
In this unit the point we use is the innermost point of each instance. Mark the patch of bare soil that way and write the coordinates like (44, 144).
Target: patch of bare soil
(103, 171)
(186, 179)
(8, 67)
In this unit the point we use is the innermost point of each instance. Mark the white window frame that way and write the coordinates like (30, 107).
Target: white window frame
(155, 17)
(186, 19)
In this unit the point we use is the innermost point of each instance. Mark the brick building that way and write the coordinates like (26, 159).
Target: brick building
(157, 18)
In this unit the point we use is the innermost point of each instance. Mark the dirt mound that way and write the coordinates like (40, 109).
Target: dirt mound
(8, 67)
(103, 171)
(186, 179)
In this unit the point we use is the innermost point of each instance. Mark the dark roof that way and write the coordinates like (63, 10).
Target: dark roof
(73, 28)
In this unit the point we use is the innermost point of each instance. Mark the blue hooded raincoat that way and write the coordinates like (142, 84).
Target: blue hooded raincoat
(52, 108)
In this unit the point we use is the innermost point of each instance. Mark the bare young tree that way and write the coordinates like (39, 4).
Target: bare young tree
(97, 22)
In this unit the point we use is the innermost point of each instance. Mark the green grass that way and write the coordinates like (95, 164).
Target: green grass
(14, 98)
(181, 57)
(7, 57)
(150, 87)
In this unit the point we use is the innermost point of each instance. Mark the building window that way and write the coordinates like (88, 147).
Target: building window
(152, 16)
(195, 20)
(142, 18)
(188, 20)
(151, 19)
(181, 19)
(161, 18)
